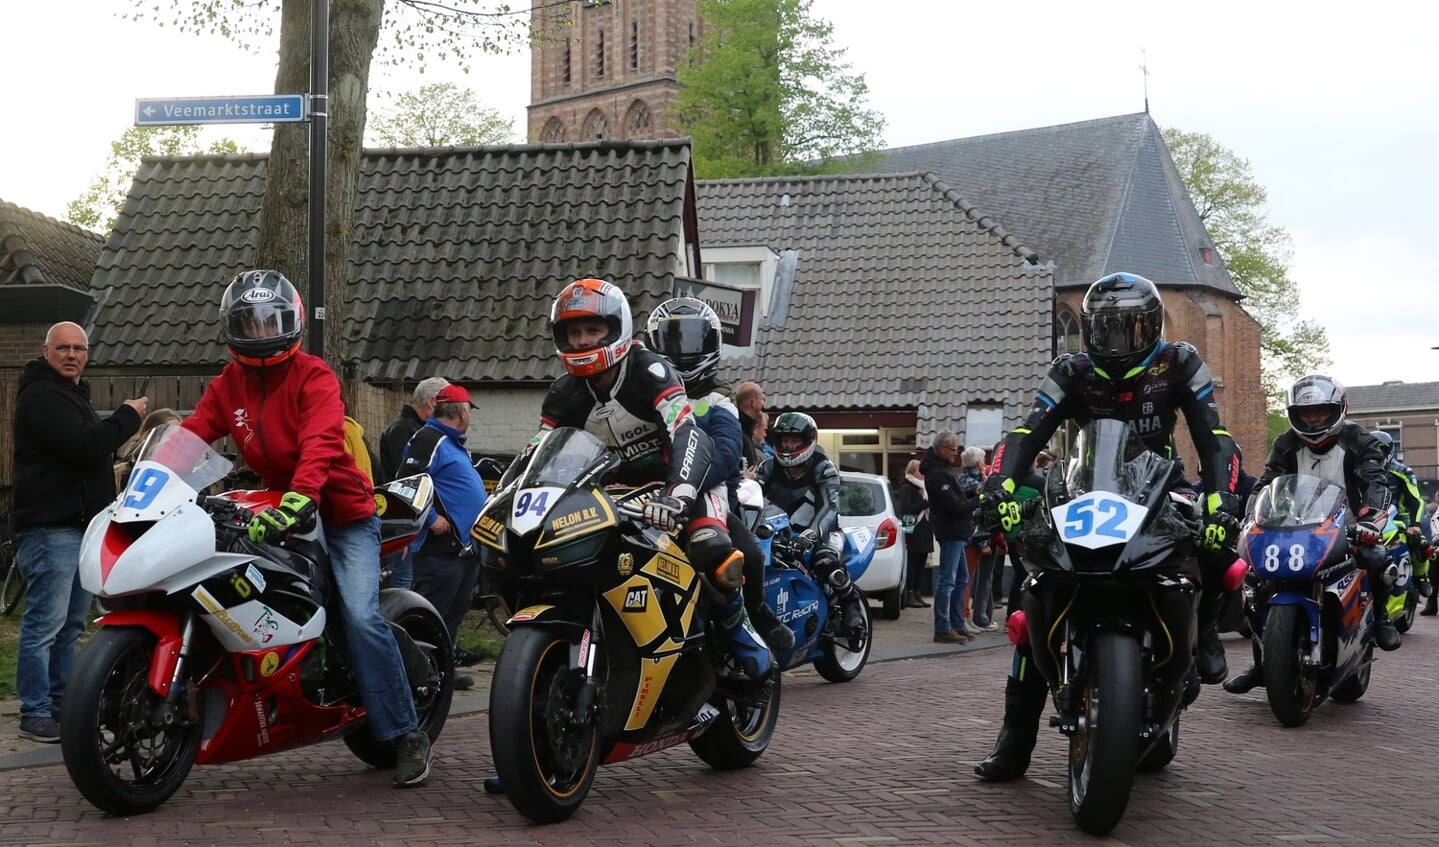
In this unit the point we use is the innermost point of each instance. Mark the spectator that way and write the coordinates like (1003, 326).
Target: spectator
(951, 515)
(761, 436)
(159, 417)
(749, 400)
(397, 434)
(412, 416)
(442, 575)
(355, 443)
(294, 398)
(918, 536)
(64, 476)
(981, 554)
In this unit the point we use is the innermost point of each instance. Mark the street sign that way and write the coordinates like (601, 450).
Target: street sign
(734, 306)
(258, 109)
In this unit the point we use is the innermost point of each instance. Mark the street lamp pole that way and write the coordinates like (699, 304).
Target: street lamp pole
(319, 136)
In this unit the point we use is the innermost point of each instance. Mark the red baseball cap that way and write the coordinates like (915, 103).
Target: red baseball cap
(454, 394)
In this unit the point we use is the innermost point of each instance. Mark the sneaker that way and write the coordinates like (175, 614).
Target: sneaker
(465, 659)
(990, 627)
(412, 760)
(949, 637)
(42, 728)
(464, 681)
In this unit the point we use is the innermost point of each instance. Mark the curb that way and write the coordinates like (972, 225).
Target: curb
(44, 755)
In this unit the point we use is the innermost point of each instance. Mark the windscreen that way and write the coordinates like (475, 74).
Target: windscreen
(1294, 501)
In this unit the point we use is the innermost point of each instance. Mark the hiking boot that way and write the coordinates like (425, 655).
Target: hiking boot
(1250, 679)
(412, 759)
(42, 728)
(779, 637)
(949, 636)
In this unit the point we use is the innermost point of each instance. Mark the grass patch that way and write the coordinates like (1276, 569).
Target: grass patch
(9, 648)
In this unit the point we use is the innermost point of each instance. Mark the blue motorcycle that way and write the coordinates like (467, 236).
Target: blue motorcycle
(1315, 609)
(810, 609)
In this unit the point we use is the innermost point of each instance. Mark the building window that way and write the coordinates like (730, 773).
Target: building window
(634, 45)
(595, 126)
(983, 425)
(637, 120)
(565, 63)
(600, 54)
(553, 133)
(1069, 340)
(744, 267)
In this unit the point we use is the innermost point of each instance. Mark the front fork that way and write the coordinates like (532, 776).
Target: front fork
(1072, 713)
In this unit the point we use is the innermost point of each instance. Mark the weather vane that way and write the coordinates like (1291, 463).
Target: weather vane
(1144, 69)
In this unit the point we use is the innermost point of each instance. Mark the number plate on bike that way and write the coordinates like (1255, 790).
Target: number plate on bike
(1098, 519)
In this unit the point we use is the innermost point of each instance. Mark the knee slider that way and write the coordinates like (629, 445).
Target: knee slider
(708, 547)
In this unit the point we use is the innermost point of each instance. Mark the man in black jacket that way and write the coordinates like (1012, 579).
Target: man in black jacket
(952, 505)
(398, 432)
(64, 476)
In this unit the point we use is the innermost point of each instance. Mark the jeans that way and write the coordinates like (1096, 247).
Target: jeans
(384, 689)
(982, 607)
(56, 611)
(402, 572)
(949, 592)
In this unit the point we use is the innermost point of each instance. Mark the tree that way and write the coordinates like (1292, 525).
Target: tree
(1257, 253)
(438, 115)
(764, 92)
(100, 204)
(419, 31)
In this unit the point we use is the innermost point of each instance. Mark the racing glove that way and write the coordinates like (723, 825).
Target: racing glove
(1221, 528)
(1370, 530)
(294, 512)
(997, 505)
(666, 512)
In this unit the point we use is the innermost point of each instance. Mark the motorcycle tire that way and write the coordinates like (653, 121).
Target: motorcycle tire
(1404, 621)
(740, 734)
(546, 754)
(1104, 751)
(13, 590)
(1354, 687)
(496, 602)
(1289, 685)
(1158, 757)
(116, 757)
(430, 669)
(838, 660)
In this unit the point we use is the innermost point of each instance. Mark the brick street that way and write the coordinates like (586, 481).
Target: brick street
(883, 760)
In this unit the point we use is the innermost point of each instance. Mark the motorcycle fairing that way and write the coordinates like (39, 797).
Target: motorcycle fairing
(858, 550)
(1098, 519)
(115, 561)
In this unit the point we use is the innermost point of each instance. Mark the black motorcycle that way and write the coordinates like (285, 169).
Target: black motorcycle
(1110, 609)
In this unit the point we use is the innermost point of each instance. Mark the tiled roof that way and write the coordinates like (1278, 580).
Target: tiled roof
(456, 255)
(905, 296)
(38, 250)
(1093, 197)
(1393, 397)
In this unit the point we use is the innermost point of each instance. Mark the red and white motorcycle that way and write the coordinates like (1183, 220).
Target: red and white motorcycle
(212, 648)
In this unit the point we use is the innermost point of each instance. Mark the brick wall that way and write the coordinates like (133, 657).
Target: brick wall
(663, 36)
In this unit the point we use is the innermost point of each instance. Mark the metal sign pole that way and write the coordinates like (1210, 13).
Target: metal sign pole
(319, 131)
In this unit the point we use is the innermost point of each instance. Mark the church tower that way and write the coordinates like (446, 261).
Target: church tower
(612, 74)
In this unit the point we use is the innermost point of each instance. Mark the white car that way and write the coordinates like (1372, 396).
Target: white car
(865, 500)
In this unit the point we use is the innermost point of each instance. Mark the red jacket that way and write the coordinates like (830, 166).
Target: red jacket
(288, 423)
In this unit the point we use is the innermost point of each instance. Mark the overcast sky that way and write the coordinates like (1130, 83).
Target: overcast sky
(1337, 112)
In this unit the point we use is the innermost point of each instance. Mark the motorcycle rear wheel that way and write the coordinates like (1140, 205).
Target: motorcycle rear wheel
(1104, 751)
(432, 692)
(1289, 685)
(120, 759)
(837, 662)
(741, 733)
(546, 755)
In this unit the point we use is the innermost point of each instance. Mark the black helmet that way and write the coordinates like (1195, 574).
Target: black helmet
(1313, 394)
(262, 317)
(687, 332)
(1122, 319)
(1386, 444)
(793, 423)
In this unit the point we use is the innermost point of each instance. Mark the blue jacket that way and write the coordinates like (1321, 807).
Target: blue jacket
(718, 417)
(458, 488)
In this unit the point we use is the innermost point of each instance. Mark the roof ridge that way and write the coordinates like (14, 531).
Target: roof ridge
(1018, 132)
(989, 224)
(78, 230)
(381, 152)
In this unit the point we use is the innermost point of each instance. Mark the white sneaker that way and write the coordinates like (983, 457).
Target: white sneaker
(990, 627)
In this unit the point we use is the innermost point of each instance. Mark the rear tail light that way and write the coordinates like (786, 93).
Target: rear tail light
(887, 534)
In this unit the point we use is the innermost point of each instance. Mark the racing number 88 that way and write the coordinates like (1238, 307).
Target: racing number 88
(1296, 558)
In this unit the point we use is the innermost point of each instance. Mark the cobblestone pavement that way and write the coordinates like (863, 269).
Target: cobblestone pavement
(885, 759)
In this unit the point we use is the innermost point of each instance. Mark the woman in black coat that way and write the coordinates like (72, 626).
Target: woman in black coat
(913, 505)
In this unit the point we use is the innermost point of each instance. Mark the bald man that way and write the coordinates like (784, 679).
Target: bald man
(64, 476)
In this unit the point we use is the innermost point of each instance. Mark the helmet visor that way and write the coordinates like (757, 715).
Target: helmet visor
(684, 339)
(257, 321)
(1119, 334)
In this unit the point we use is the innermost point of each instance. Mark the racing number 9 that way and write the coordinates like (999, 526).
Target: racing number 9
(144, 487)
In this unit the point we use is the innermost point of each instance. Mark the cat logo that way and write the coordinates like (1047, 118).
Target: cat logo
(625, 564)
(637, 599)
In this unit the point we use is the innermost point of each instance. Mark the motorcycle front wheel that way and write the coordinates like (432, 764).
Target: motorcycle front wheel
(1289, 684)
(1104, 750)
(841, 659)
(124, 751)
(545, 752)
(740, 734)
(1354, 687)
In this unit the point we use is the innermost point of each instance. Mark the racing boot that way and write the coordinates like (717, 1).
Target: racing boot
(827, 565)
(779, 637)
(1431, 606)
(1024, 702)
(1381, 576)
(1250, 679)
(1385, 633)
(1209, 657)
(751, 654)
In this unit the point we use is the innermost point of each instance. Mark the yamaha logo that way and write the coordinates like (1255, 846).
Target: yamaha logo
(257, 295)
